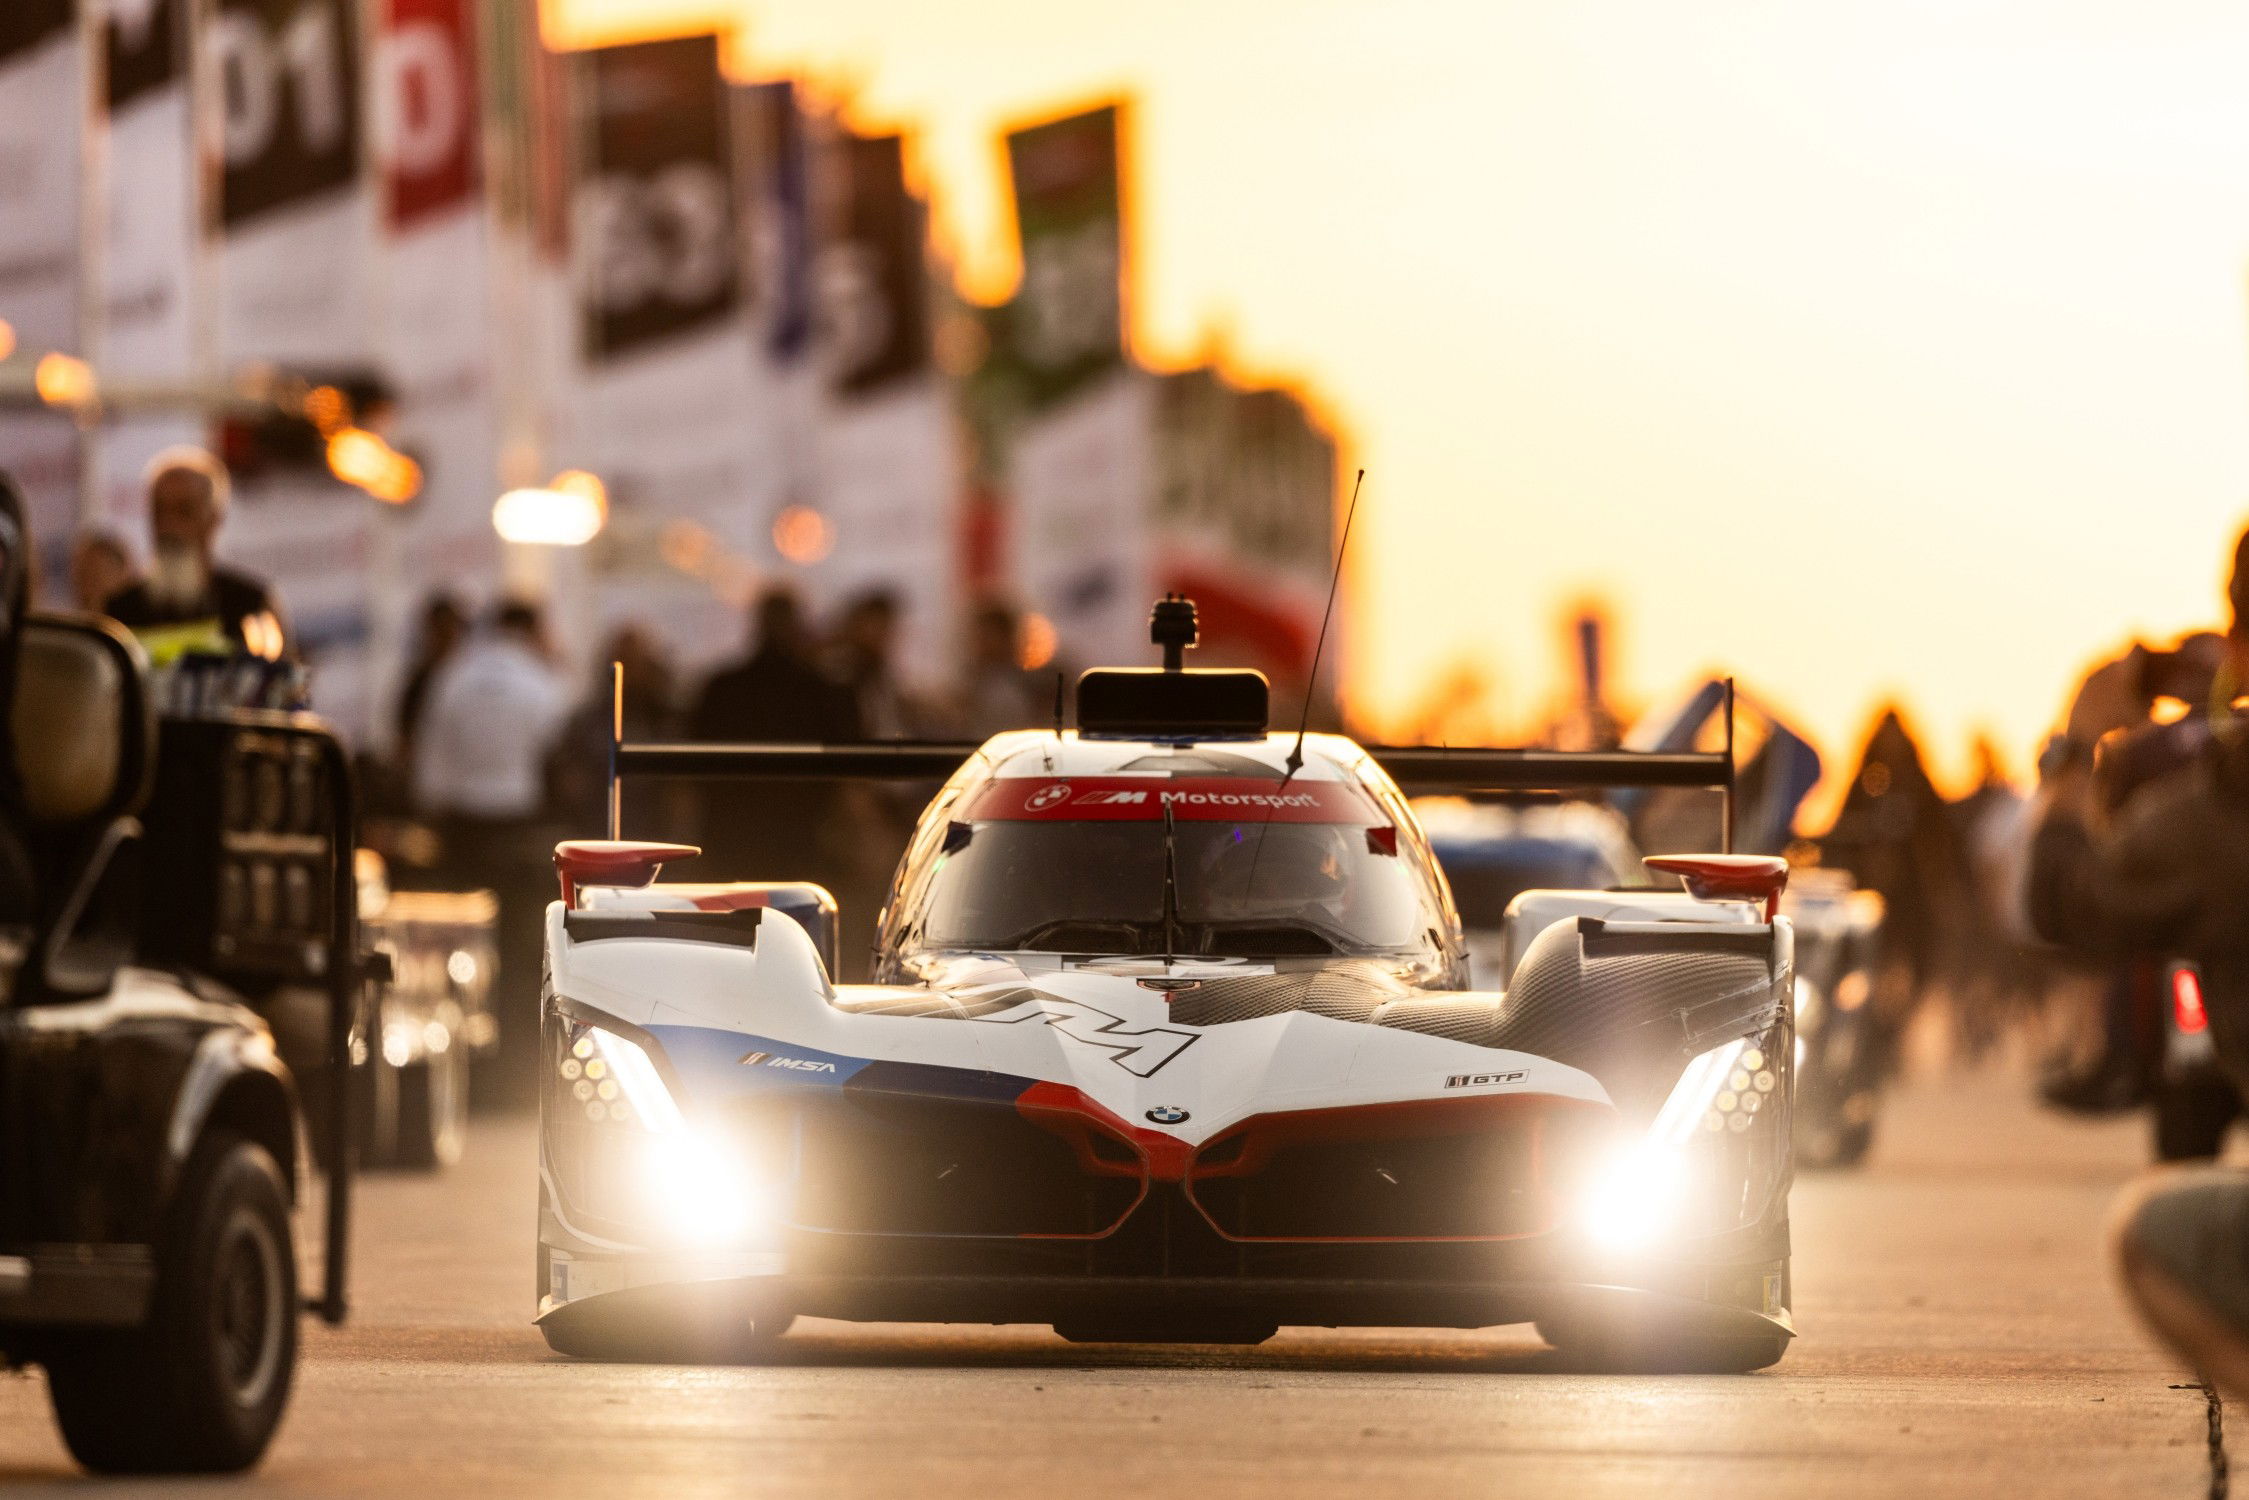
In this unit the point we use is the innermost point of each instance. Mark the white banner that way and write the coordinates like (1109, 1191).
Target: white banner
(1078, 481)
(886, 482)
(43, 108)
(151, 250)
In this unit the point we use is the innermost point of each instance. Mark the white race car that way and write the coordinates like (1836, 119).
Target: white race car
(1171, 1041)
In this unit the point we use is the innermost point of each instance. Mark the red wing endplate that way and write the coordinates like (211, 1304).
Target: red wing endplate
(1727, 877)
(621, 862)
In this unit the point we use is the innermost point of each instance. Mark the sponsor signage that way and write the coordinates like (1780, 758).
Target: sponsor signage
(288, 76)
(655, 210)
(428, 63)
(873, 318)
(1220, 799)
(147, 47)
(1065, 326)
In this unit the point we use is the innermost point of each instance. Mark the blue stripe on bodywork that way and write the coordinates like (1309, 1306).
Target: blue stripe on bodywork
(716, 1065)
(711, 1062)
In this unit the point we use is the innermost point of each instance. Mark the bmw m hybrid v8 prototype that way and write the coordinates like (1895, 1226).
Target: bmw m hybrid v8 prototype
(1170, 1040)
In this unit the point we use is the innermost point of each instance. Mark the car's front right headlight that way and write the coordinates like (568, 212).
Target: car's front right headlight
(646, 1165)
(1695, 1170)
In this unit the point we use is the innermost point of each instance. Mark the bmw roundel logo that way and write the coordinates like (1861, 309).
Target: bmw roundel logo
(1167, 1114)
(1048, 795)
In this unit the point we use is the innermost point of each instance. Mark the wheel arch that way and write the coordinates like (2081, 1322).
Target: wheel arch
(236, 1082)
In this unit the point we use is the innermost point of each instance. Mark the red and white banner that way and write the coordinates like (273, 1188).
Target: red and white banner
(1079, 479)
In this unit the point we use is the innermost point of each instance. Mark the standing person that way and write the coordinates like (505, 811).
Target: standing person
(100, 569)
(782, 830)
(578, 771)
(189, 600)
(999, 694)
(864, 652)
(443, 627)
(494, 710)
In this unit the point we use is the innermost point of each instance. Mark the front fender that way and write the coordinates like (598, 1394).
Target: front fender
(235, 1080)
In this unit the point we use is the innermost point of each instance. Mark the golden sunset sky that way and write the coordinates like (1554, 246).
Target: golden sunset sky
(1870, 348)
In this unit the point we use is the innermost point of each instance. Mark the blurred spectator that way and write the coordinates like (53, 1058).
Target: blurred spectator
(999, 694)
(579, 768)
(782, 830)
(189, 601)
(2167, 873)
(2114, 712)
(101, 568)
(444, 623)
(494, 709)
(862, 653)
(19, 895)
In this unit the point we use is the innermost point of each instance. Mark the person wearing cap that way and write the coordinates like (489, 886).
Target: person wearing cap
(189, 601)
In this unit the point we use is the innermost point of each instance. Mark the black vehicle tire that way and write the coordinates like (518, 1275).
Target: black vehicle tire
(1204, 1330)
(431, 1113)
(667, 1341)
(2191, 1119)
(1625, 1352)
(200, 1387)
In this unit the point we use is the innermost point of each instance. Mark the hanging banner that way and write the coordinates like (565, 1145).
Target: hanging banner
(288, 71)
(1244, 514)
(429, 134)
(1079, 477)
(298, 219)
(873, 316)
(435, 330)
(1065, 325)
(655, 196)
(43, 107)
(153, 245)
(778, 209)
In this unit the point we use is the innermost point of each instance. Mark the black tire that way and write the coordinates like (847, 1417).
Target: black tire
(1206, 1330)
(431, 1118)
(2192, 1118)
(201, 1386)
(1622, 1352)
(667, 1342)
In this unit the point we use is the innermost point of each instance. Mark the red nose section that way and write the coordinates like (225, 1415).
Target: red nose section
(1727, 877)
(622, 862)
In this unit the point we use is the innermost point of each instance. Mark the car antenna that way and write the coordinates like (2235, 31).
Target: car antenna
(1312, 678)
(1058, 679)
(616, 737)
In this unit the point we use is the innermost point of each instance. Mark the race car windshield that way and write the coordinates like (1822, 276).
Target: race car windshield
(1244, 886)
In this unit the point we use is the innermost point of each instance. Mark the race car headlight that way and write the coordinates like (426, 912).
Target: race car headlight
(647, 1164)
(1641, 1193)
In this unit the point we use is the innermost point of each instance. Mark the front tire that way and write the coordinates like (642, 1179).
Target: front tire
(200, 1387)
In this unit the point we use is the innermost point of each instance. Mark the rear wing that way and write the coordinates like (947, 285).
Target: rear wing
(1416, 768)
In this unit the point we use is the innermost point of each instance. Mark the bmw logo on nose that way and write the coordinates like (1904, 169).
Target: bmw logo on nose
(1167, 1114)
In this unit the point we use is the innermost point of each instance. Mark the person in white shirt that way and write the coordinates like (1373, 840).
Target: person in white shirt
(492, 714)
(494, 711)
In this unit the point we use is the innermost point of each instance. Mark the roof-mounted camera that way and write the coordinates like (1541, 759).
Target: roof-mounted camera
(1173, 702)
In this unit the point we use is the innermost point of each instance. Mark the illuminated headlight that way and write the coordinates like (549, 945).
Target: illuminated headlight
(1641, 1192)
(679, 1180)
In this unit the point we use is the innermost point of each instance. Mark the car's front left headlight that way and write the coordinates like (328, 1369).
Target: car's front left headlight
(1697, 1168)
(645, 1164)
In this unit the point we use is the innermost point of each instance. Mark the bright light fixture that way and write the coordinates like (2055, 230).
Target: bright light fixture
(61, 380)
(695, 1188)
(1635, 1196)
(552, 517)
